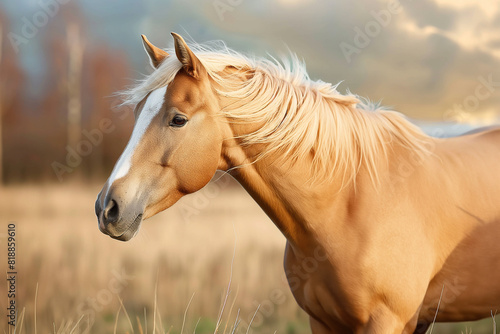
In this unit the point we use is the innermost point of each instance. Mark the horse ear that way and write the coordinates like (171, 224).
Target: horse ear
(190, 62)
(156, 55)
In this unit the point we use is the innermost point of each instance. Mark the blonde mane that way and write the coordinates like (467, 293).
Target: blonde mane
(300, 117)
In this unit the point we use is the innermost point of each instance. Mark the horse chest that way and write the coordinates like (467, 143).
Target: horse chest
(323, 293)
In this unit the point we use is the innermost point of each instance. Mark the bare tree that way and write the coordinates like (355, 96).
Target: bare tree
(76, 48)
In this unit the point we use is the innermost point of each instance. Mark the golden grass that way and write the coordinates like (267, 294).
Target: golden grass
(187, 249)
(81, 281)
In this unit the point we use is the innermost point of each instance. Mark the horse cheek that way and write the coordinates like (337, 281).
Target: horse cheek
(198, 162)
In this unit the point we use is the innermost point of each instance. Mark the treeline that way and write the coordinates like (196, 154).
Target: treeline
(67, 125)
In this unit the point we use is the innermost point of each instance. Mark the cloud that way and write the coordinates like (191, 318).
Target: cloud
(429, 13)
(427, 58)
(423, 62)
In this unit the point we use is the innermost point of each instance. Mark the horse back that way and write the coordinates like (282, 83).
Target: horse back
(467, 283)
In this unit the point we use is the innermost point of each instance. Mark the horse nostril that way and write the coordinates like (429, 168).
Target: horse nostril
(111, 212)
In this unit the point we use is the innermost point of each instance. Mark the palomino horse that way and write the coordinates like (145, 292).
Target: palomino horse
(387, 228)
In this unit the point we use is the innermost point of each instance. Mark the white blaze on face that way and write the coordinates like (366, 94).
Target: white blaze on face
(152, 106)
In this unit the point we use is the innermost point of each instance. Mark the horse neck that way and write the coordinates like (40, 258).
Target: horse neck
(307, 211)
(287, 191)
(284, 190)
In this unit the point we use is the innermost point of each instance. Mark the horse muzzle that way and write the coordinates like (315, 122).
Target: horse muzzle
(114, 221)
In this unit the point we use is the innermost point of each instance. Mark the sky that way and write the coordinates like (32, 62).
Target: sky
(430, 59)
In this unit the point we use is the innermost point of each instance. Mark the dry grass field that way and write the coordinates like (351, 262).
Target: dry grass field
(73, 279)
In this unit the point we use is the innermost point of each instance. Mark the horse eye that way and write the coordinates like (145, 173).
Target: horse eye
(178, 121)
